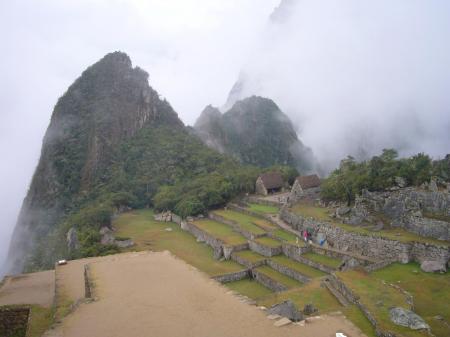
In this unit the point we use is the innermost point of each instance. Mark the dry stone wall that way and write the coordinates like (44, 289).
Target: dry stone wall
(288, 271)
(372, 246)
(14, 321)
(263, 249)
(233, 277)
(267, 281)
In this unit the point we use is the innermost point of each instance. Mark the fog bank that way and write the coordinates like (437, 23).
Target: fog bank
(359, 76)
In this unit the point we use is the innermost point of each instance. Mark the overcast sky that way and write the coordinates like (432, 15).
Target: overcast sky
(354, 75)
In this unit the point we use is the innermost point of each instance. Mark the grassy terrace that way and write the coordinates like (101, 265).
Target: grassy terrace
(378, 297)
(288, 237)
(249, 288)
(430, 292)
(250, 256)
(300, 267)
(281, 278)
(323, 259)
(263, 209)
(399, 234)
(266, 241)
(220, 231)
(149, 234)
(246, 222)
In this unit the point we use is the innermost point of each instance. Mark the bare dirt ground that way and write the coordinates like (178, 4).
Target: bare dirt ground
(33, 288)
(156, 294)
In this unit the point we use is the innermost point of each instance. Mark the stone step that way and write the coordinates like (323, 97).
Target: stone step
(341, 299)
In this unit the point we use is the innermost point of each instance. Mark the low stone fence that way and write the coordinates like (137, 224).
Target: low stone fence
(203, 236)
(354, 298)
(267, 281)
(315, 264)
(232, 277)
(14, 321)
(364, 261)
(247, 263)
(288, 271)
(294, 251)
(235, 226)
(372, 246)
(264, 250)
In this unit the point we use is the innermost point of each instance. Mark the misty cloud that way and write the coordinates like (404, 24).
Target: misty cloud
(359, 76)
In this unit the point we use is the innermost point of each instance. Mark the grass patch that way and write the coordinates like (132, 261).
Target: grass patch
(437, 216)
(250, 256)
(288, 237)
(281, 278)
(220, 231)
(300, 267)
(249, 288)
(149, 234)
(40, 321)
(269, 242)
(311, 292)
(323, 259)
(262, 209)
(378, 298)
(398, 234)
(430, 292)
(245, 221)
(355, 314)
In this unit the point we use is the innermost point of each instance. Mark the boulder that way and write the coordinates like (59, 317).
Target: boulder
(433, 266)
(407, 318)
(107, 236)
(286, 309)
(342, 211)
(124, 243)
(433, 186)
(400, 182)
(309, 309)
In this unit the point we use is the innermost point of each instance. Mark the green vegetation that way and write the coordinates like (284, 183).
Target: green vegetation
(149, 234)
(311, 292)
(430, 292)
(266, 241)
(288, 237)
(40, 321)
(250, 256)
(220, 231)
(249, 288)
(277, 276)
(245, 221)
(378, 297)
(323, 259)
(300, 267)
(358, 318)
(262, 209)
(378, 174)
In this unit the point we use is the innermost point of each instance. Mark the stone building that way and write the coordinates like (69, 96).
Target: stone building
(268, 183)
(304, 186)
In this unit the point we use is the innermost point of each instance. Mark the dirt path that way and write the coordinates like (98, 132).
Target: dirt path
(156, 294)
(33, 288)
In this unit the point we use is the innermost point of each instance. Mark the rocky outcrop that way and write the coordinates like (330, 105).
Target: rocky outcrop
(407, 318)
(425, 213)
(433, 266)
(107, 105)
(72, 239)
(286, 309)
